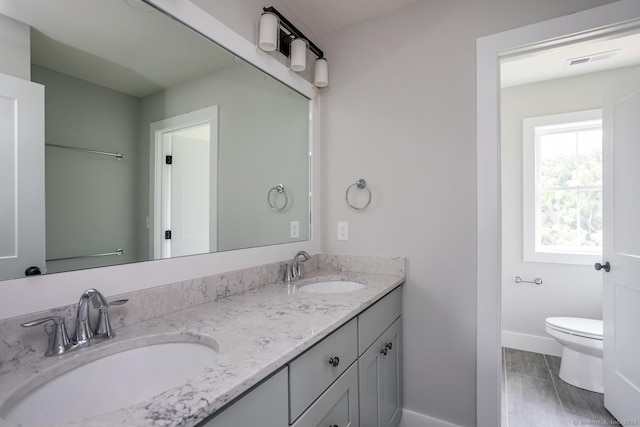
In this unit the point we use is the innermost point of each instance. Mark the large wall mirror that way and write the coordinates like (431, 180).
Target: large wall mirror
(158, 143)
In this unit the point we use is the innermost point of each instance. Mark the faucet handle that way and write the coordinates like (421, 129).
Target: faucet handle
(287, 273)
(58, 337)
(103, 329)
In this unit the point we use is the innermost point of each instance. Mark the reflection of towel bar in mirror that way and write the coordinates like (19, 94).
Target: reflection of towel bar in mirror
(518, 279)
(279, 189)
(362, 185)
(117, 252)
(118, 156)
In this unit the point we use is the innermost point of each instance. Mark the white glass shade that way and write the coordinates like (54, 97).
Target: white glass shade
(321, 74)
(269, 31)
(298, 55)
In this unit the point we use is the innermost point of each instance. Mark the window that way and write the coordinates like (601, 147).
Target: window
(562, 188)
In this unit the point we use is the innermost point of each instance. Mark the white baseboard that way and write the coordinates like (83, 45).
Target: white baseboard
(415, 419)
(534, 343)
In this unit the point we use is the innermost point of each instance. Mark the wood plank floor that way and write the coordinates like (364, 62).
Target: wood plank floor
(534, 395)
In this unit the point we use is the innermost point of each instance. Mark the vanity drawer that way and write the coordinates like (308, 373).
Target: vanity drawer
(377, 318)
(338, 406)
(312, 373)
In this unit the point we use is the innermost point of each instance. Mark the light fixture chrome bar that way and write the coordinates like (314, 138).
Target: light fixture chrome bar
(117, 252)
(118, 156)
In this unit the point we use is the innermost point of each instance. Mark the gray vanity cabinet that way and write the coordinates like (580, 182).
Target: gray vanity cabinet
(380, 364)
(266, 405)
(352, 378)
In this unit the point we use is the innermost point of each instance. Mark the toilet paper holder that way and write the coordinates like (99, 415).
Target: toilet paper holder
(518, 279)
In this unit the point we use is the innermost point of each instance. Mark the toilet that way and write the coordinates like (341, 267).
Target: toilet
(582, 350)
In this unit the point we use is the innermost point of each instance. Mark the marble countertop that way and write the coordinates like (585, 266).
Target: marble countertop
(256, 333)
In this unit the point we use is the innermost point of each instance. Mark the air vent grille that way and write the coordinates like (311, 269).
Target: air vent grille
(591, 58)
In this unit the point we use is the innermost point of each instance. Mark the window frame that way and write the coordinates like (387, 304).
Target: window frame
(530, 159)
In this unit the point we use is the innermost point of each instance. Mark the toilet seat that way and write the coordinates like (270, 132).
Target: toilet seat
(586, 328)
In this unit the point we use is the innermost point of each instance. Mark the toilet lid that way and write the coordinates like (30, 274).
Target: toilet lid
(589, 328)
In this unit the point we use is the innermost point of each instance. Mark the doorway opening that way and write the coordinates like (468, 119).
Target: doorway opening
(606, 21)
(551, 217)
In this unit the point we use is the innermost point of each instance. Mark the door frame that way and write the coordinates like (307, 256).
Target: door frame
(599, 22)
(156, 134)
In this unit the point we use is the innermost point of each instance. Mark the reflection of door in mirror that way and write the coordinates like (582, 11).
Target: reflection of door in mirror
(184, 184)
(22, 175)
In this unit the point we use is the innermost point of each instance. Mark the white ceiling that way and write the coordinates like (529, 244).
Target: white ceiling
(120, 44)
(622, 51)
(60, 41)
(325, 16)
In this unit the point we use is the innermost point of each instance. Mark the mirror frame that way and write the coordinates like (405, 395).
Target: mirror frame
(37, 293)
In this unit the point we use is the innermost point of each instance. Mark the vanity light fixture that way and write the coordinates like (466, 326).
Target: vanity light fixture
(321, 73)
(276, 33)
(298, 55)
(269, 26)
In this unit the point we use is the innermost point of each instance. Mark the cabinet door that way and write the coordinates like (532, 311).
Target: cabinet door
(390, 386)
(369, 382)
(266, 405)
(22, 222)
(336, 407)
(380, 378)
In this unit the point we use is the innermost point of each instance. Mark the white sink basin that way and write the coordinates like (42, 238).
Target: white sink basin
(113, 382)
(332, 287)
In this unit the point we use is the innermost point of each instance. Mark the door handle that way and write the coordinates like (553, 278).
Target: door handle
(606, 266)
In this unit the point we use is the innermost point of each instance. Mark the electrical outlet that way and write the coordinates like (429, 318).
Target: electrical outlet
(343, 230)
(294, 229)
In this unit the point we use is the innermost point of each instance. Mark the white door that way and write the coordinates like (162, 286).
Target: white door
(22, 220)
(184, 189)
(186, 194)
(621, 309)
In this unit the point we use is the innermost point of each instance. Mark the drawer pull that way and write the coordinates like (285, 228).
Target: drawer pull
(384, 351)
(389, 345)
(334, 361)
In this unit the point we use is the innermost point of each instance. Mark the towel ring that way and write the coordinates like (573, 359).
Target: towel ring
(278, 189)
(362, 185)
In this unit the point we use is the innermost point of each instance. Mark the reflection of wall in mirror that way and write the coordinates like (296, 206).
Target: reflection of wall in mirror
(263, 141)
(90, 199)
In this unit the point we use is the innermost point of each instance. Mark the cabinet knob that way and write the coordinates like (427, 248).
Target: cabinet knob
(606, 266)
(389, 345)
(384, 351)
(334, 361)
(32, 271)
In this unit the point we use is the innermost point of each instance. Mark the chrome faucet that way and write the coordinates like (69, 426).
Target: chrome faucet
(294, 272)
(85, 334)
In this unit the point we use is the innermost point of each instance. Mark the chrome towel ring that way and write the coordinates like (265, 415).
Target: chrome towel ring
(362, 185)
(279, 189)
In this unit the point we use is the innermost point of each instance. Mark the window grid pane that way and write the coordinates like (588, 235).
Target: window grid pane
(569, 189)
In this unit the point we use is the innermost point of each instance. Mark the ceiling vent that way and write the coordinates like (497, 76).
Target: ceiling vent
(591, 58)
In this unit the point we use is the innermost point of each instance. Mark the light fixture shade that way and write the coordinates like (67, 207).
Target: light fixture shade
(269, 32)
(298, 55)
(321, 73)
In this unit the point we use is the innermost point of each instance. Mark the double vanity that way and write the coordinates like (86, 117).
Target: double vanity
(238, 348)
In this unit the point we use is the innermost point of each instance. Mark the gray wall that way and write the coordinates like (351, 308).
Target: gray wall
(15, 42)
(263, 141)
(90, 199)
(400, 112)
(567, 290)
